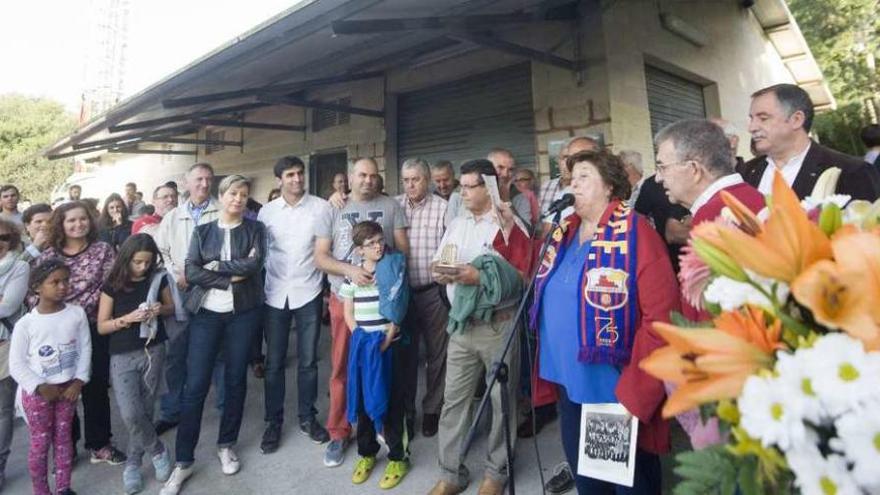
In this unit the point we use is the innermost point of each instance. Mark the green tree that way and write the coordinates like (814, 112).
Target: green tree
(843, 35)
(27, 126)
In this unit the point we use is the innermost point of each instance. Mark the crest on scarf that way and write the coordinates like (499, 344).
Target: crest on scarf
(606, 288)
(547, 262)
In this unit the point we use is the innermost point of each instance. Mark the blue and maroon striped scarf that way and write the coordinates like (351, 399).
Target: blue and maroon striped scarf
(608, 309)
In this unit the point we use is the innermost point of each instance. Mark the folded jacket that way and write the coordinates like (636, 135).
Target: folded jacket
(499, 281)
(369, 374)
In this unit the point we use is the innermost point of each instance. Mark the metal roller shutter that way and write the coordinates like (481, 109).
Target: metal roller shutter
(464, 119)
(672, 98)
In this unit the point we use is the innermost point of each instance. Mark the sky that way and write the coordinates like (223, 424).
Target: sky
(43, 42)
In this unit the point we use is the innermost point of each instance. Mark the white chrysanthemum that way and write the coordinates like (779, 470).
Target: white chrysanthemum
(816, 475)
(843, 375)
(810, 202)
(858, 439)
(730, 294)
(770, 412)
(792, 369)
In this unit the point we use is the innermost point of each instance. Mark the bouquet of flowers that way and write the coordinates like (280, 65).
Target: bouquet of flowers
(789, 366)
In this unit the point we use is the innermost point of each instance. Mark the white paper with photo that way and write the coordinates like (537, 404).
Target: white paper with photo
(492, 186)
(607, 448)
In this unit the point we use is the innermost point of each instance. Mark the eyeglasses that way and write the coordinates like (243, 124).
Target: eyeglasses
(662, 168)
(471, 187)
(374, 243)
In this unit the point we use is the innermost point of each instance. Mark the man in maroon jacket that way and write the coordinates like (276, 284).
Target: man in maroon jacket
(694, 164)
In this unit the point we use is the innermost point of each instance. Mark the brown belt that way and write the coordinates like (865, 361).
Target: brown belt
(497, 316)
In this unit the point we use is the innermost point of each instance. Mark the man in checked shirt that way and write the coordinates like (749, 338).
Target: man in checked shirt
(428, 312)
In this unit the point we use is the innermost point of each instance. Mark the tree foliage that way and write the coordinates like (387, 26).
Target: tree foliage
(27, 126)
(840, 34)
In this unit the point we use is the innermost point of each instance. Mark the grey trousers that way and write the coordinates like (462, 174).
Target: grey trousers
(7, 414)
(470, 351)
(426, 320)
(135, 377)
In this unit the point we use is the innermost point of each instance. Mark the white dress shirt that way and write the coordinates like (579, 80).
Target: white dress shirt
(789, 171)
(719, 184)
(291, 274)
(473, 236)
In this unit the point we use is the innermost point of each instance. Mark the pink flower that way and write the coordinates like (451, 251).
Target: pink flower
(694, 276)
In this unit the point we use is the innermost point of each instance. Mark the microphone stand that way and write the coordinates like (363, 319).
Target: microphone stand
(501, 372)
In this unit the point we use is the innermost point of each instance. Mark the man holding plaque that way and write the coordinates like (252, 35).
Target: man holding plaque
(486, 235)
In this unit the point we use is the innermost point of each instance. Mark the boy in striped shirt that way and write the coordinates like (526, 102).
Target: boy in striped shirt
(371, 365)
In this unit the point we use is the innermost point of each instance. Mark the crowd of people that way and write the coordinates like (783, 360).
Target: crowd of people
(166, 300)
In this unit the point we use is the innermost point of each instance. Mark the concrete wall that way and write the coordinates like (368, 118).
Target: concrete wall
(738, 60)
(566, 103)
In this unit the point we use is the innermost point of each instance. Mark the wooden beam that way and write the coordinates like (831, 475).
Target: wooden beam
(168, 131)
(250, 125)
(469, 22)
(139, 151)
(300, 102)
(494, 43)
(187, 116)
(274, 88)
(206, 142)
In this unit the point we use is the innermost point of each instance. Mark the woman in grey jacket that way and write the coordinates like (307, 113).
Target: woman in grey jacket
(223, 268)
(13, 288)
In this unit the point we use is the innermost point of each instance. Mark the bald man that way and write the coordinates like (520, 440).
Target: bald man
(334, 256)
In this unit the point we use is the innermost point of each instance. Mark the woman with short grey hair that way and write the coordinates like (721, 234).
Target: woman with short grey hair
(13, 288)
(223, 268)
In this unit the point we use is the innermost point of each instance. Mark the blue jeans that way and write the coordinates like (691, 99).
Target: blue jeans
(648, 473)
(209, 333)
(277, 329)
(175, 372)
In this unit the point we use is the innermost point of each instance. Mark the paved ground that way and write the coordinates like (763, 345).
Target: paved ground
(297, 466)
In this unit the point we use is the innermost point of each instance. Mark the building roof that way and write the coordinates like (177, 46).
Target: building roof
(785, 35)
(297, 49)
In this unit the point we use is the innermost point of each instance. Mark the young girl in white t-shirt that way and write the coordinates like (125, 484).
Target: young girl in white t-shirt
(50, 358)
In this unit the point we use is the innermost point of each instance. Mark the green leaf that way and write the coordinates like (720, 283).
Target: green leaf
(747, 478)
(707, 471)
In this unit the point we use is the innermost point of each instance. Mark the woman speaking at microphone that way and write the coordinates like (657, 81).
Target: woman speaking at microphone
(605, 278)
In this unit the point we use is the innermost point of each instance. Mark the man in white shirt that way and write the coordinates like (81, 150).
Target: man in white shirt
(481, 229)
(293, 292)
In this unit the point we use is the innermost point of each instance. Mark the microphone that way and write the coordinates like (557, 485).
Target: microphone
(560, 204)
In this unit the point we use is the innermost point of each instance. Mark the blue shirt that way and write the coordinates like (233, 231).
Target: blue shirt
(195, 210)
(558, 338)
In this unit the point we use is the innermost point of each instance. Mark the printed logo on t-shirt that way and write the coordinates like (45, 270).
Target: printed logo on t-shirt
(53, 361)
(353, 218)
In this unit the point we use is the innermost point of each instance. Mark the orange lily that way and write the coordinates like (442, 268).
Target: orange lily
(844, 294)
(710, 364)
(784, 246)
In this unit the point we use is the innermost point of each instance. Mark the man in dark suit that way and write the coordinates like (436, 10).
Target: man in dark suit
(780, 117)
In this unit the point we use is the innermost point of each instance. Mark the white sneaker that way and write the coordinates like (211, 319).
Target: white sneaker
(228, 461)
(175, 481)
